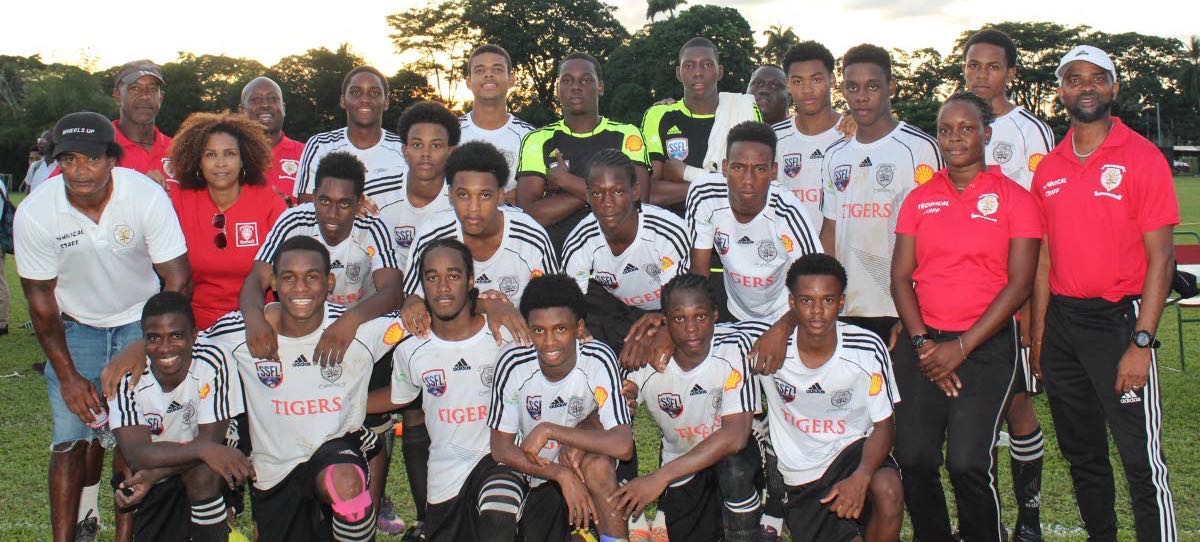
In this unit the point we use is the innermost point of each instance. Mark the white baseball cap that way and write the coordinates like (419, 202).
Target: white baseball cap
(1087, 53)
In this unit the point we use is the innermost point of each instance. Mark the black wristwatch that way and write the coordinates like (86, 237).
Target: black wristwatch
(919, 340)
(1144, 339)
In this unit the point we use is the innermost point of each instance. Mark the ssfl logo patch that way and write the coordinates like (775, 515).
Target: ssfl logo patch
(435, 382)
(841, 177)
(533, 405)
(792, 164)
(671, 404)
(270, 372)
(677, 148)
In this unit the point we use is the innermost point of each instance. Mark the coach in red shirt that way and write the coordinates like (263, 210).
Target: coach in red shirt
(139, 94)
(965, 258)
(224, 204)
(1110, 208)
(262, 100)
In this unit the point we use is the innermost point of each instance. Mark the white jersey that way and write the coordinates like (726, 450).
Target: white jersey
(454, 379)
(402, 219)
(814, 414)
(756, 255)
(525, 252)
(385, 163)
(353, 261)
(1019, 141)
(658, 253)
(294, 404)
(210, 392)
(799, 158)
(688, 405)
(865, 183)
(507, 139)
(522, 398)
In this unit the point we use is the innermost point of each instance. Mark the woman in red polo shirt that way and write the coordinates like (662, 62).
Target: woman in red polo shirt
(966, 253)
(224, 203)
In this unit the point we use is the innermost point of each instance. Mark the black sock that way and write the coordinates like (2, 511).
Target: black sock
(415, 448)
(1026, 464)
(208, 521)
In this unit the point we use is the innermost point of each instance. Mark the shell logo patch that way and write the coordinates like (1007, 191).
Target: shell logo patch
(922, 174)
(876, 384)
(788, 244)
(536, 273)
(634, 143)
(371, 251)
(665, 263)
(205, 390)
(1035, 159)
(601, 396)
(394, 333)
(733, 380)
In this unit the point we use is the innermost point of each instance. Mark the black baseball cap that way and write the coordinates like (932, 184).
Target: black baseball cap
(132, 71)
(83, 132)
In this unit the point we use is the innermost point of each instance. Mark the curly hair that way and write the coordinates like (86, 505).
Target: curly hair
(187, 149)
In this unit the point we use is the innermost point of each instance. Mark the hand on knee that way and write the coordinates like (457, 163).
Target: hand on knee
(345, 489)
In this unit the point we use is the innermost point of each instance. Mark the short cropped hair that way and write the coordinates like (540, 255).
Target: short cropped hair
(553, 291)
(429, 113)
(816, 263)
(687, 282)
(301, 242)
(868, 54)
(343, 165)
(991, 36)
(700, 41)
(489, 48)
(479, 156)
(368, 69)
(578, 55)
(750, 130)
(168, 302)
(805, 51)
(614, 159)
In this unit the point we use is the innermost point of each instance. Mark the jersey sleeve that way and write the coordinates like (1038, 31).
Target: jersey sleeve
(639, 378)
(305, 183)
(799, 235)
(699, 216)
(739, 391)
(123, 408)
(280, 232)
(605, 380)
(220, 388)
(577, 258)
(673, 246)
(503, 410)
(35, 249)
(384, 255)
(533, 158)
(164, 236)
(405, 388)
(381, 334)
(1156, 203)
(633, 145)
(830, 196)
(651, 122)
(882, 392)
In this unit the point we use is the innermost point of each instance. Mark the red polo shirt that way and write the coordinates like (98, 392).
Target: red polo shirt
(1096, 213)
(218, 274)
(962, 243)
(158, 158)
(285, 163)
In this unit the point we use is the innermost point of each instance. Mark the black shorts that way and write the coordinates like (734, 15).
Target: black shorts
(809, 520)
(291, 511)
(544, 517)
(381, 377)
(458, 518)
(1026, 381)
(164, 513)
(693, 509)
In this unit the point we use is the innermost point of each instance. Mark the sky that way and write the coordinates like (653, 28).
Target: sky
(78, 32)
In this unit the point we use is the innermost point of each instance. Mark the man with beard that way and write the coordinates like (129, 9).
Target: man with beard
(262, 100)
(1110, 208)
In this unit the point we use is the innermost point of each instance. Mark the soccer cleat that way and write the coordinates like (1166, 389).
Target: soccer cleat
(87, 530)
(387, 521)
(767, 534)
(414, 533)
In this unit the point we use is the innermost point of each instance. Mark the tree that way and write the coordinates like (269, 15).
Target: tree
(312, 87)
(442, 38)
(200, 83)
(658, 7)
(643, 71)
(923, 82)
(405, 88)
(1190, 76)
(779, 40)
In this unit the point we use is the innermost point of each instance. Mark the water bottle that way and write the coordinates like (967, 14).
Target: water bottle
(100, 430)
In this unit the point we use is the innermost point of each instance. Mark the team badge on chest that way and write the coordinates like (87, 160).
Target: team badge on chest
(787, 392)
(1111, 176)
(677, 148)
(884, 175)
(767, 250)
(721, 240)
(270, 372)
(841, 177)
(792, 164)
(988, 204)
(533, 405)
(1002, 153)
(435, 382)
(671, 404)
(247, 234)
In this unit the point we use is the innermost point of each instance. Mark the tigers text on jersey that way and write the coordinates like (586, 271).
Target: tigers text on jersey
(636, 277)
(402, 219)
(865, 183)
(688, 405)
(384, 161)
(353, 261)
(815, 413)
(525, 252)
(522, 397)
(799, 158)
(506, 138)
(209, 393)
(454, 379)
(294, 404)
(756, 255)
(1019, 142)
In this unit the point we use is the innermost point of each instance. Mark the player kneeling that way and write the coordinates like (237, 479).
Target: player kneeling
(546, 394)
(830, 409)
(704, 402)
(170, 425)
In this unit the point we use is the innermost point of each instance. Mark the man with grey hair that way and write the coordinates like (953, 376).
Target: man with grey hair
(262, 100)
(1093, 325)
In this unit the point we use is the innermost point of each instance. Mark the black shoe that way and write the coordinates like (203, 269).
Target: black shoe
(39, 367)
(87, 530)
(4, 330)
(414, 533)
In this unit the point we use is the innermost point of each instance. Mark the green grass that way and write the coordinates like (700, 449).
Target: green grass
(25, 433)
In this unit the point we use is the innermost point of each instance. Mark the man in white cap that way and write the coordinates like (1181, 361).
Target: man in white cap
(1110, 208)
(91, 246)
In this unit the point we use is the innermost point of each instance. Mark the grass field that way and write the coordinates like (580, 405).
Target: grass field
(25, 433)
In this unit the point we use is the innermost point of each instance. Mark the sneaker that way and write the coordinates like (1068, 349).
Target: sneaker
(87, 530)
(387, 521)
(767, 534)
(414, 533)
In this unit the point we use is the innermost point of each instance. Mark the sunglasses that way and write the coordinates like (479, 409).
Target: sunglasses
(218, 222)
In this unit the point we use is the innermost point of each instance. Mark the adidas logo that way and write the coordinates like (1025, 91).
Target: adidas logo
(461, 365)
(674, 131)
(483, 279)
(558, 403)
(866, 162)
(1126, 398)
(347, 452)
(301, 362)
(815, 388)
(697, 390)
(816, 155)
(1082, 52)
(337, 264)
(629, 268)
(745, 241)
(174, 406)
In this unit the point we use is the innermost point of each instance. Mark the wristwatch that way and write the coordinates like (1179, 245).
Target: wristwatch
(919, 340)
(1144, 339)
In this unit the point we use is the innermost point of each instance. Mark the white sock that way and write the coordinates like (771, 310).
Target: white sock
(773, 522)
(89, 500)
(660, 520)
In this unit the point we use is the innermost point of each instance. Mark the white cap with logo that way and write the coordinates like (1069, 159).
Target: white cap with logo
(1087, 53)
